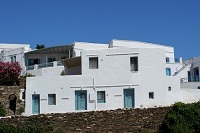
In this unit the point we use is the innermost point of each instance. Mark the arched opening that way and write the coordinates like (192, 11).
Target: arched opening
(12, 102)
(168, 71)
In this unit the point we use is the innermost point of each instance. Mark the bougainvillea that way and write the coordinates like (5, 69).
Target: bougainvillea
(9, 73)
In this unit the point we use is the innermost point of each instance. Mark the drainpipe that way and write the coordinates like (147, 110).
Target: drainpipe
(46, 59)
(69, 54)
(27, 60)
(95, 103)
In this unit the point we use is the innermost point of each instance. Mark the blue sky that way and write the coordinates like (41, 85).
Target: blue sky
(55, 22)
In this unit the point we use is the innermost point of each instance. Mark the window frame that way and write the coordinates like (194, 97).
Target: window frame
(13, 58)
(167, 60)
(169, 71)
(93, 63)
(169, 88)
(54, 99)
(151, 95)
(134, 63)
(102, 94)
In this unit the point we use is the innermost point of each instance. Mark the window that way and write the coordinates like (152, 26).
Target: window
(93, 62)
(51, 59)
(23, 95)
(168, 71)
(33, 61)
(51, 99)
(13, 58)
(134, 63)
(101, 97)
(151, 95)
(169, 88)
(167, 59)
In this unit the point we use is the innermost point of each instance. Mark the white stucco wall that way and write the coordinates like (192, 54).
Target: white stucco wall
(190, 95)
(79, 46)
(113, 76)
(190, 85)
(48, 71)
(169, 51)
(4, 46)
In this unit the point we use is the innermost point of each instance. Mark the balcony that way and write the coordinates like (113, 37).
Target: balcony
(44, 65)
(45, 69)
(194, 78)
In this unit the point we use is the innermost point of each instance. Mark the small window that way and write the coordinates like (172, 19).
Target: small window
(169, 88)
(198, 87)
(151, 95)
(13, 58)
(134, 63)
(101, 97)
(167, 59)
(51, 59)
(93, 62)
(168, 71)
(51, 99)
(23, 95)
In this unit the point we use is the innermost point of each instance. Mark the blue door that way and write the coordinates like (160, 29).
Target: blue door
(35, 104)
(81, 100)
(128, 98)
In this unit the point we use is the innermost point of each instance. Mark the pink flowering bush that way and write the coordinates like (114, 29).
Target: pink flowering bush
(9, 73)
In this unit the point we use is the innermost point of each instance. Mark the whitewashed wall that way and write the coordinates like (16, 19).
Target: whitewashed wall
(4, 46)
(113, 76)
(79, 46)
(169, 51)
(48, 71)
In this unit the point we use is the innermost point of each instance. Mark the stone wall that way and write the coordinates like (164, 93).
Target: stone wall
(6, 91)
(112, 121)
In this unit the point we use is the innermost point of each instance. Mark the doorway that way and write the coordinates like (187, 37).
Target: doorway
(129, 98)
(35, 104)
(81, 100)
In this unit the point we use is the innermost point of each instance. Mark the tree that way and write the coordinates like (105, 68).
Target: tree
(9, 73)
(40, 46)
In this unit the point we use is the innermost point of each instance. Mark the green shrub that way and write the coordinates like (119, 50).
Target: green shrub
(20, 110)
(2, 110)
(62, 73)
(27, 75)
(182, 118)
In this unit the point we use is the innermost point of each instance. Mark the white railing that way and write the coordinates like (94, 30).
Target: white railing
(59, 63)
(30, 67)
(44, 65)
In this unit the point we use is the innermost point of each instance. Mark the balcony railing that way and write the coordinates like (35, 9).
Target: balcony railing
(44, 65)
(30, 67)
(194, 78)
(59, 63)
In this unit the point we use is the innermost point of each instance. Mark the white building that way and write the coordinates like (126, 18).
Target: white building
(47, 61)
(14, 53)
(123, 74)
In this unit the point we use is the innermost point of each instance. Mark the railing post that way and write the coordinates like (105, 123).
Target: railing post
(180, 60)
(35, 67)
(55, 64)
